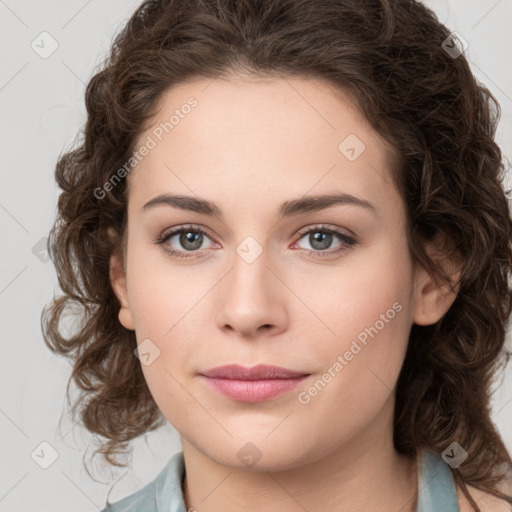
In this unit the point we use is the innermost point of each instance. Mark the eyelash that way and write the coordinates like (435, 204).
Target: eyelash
(349, 242)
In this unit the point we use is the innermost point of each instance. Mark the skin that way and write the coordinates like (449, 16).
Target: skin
(248, 146)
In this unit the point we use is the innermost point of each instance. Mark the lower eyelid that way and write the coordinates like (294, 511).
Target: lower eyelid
(347, 241)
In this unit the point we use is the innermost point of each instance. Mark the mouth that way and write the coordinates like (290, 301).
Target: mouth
(255, 384)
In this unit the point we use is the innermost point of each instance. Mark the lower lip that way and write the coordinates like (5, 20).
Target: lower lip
(253, 390)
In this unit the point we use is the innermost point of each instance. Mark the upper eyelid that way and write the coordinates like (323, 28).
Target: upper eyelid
(178, 229)
(326, 227)
(300, 233)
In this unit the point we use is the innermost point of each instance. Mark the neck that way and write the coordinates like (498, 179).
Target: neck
(362, 474)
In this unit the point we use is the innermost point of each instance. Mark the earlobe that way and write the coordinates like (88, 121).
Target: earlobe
(118, 282)
(432, 297)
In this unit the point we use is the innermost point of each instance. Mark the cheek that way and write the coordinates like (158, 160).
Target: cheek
(174, 343)
(367, 288)
(162, 294)
(164, 302)
(368, 313)
(360, 367)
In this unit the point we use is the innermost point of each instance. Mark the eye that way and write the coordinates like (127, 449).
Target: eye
(320, 238)
(189, 238)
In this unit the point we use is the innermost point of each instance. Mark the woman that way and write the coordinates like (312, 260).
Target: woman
(288, 235)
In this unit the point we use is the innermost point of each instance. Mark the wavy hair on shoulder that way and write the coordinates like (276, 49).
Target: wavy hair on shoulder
(388, 57)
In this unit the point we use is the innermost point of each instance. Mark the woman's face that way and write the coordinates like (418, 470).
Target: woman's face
(268, 283)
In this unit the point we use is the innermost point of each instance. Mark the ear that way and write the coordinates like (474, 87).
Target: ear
(118, 282)
(432, 297)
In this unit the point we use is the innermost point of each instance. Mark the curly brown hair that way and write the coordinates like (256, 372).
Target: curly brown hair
(390, 57)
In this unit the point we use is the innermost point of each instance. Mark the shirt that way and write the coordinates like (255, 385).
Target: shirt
(436, 488)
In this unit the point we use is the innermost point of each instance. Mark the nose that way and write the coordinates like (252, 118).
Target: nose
(251, 299)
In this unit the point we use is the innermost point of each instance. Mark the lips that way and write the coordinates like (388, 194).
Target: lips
(260, 372)
(255, 384)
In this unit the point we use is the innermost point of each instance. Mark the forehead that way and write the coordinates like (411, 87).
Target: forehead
(259, 138)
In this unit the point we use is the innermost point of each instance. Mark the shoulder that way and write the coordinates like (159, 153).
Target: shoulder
(485, 501)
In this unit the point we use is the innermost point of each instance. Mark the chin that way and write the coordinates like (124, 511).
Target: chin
(259, 456)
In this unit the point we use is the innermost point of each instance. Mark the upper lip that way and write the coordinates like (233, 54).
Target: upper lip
(259, 372)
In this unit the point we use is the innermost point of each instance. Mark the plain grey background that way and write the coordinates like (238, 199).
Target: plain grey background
(49, 51)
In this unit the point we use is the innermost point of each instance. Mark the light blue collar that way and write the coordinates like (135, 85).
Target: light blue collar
(436, 486)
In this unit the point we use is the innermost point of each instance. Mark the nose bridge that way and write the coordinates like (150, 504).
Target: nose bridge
(249, 279)
(250, 293)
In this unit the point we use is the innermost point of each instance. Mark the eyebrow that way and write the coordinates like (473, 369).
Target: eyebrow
(288, 208)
